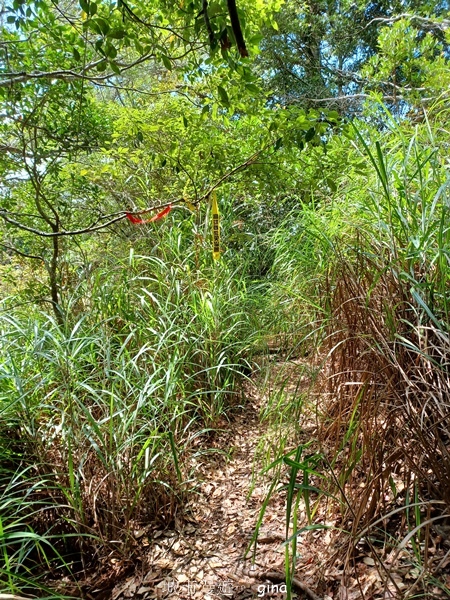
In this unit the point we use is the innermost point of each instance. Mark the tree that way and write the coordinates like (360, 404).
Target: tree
(318, 56)
(100, 41)
(42, 199)
(50, 57)
(136, 135)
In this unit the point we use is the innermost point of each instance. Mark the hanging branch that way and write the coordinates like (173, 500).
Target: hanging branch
(236, 26)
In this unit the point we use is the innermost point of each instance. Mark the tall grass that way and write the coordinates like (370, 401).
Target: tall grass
(100, 414)
(388, 332)
(365, 288)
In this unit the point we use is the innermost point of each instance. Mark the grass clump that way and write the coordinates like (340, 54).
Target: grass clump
(364, 290)
(100, 413)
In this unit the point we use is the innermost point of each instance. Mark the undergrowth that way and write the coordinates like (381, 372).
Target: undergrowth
(99, 415)
(365, 292)
(350, 292)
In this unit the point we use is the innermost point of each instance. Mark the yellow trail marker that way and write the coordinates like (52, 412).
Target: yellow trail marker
(215, 227)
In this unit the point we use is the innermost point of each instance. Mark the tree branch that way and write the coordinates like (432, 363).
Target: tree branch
(24, 254)
(65, 75)
(208, 24)
(424, 22)
(70, 75)
(46, 234)
(11, 149)
(119, 216)
(243, 165)
(236, 27)
(133, 16)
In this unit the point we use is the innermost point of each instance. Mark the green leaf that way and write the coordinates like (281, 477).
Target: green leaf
(92, 8)
(223, 95)
(306, 528)
(76, 54)
(310, 134)
(110, 50)
(166, 62)
(382, 170)
(139, 47)
(256, 39)
(85, 5)
(102, 66)
(333, 115)
(117, 34)
(103, 25)
(205, 112)
(420, 301)
(252, 88)
(297, 465)
(331, 184)
(91, 24)
(185, 122)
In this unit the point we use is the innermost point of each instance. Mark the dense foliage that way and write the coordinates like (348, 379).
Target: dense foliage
(124, 344)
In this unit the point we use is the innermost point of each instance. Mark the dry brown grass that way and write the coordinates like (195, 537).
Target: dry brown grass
(385, 407)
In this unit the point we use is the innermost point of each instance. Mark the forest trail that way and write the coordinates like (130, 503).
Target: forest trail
(204, 555)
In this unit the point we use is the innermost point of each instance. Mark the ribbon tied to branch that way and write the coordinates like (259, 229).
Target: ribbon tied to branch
(136, 220)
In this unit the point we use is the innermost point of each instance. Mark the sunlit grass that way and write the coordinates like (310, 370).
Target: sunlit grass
(362, 284)
(99, 413)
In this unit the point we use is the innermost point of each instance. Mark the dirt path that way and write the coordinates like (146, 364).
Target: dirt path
(203, 557)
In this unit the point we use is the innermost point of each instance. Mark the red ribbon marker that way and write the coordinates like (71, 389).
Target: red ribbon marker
(133, 219)
(138, 221)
